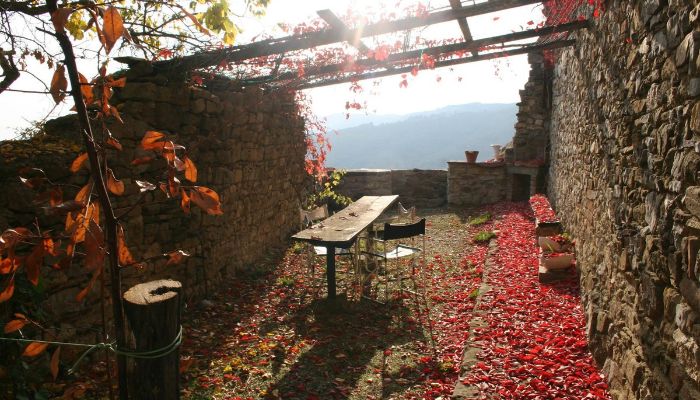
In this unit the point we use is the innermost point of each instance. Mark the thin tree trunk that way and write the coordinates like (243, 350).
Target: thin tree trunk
(103, 198)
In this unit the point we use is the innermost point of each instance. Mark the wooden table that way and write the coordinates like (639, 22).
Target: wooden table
(341, 229)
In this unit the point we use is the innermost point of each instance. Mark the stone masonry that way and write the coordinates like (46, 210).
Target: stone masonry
(625, 180)
(248, 146)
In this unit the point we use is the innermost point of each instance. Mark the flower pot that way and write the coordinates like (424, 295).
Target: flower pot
(548, 245)
(497, 152)
(471, 156)
(559, 261)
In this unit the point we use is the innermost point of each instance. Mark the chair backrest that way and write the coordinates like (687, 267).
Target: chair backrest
(401, 231)
(314, 215)
(406, 215)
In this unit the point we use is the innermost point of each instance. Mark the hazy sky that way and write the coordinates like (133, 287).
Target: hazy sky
(486, 82)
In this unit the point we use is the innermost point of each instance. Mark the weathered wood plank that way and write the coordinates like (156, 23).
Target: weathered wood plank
(463, 25)
(341, 229)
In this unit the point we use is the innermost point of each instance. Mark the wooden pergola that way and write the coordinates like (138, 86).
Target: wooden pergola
(368, 67)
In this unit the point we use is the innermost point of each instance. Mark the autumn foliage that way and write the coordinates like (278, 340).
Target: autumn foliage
(85, 237)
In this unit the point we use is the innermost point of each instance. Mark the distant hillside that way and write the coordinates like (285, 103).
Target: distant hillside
(425, 140)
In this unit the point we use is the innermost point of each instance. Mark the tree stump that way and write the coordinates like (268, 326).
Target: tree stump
(153, 315)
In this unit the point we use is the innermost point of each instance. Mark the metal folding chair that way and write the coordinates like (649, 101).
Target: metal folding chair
(395, 247)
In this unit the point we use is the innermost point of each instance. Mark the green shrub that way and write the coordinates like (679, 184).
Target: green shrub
(480, 220)
(484, 237)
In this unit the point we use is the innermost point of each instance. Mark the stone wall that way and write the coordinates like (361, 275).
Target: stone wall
(415, 187)
(248, 146)
(624, 178)
(530, 139)
(476, 184)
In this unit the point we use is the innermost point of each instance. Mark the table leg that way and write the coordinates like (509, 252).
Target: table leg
(330, 271)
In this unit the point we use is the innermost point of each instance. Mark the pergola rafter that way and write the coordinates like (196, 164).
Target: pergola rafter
(463, 24)
(438, 64)
(369, 66)
(361, 66)
(329, 36)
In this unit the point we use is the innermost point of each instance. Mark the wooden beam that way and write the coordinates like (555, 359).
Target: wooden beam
(329, 36)
(463, 24)
(439, 64)
(433, 51)
(336, 23)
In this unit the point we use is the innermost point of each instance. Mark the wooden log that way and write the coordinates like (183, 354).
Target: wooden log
(153, 316)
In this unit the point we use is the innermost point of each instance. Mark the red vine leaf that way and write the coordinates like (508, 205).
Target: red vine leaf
(34, 349)
(185, 202)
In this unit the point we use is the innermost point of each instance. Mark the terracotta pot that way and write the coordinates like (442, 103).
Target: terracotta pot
(471, 156)
(548, 245)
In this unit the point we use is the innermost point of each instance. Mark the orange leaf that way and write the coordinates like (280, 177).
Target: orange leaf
(142, 160)
(115, 113)
(185, 202)
(207, 199)
(83, 195)
(49, 246)
(78, 162)
(196, 22)
(113, 184)
(34, 349)
(120, 83)
(55, 358)
(59, 18)
(114, 143)
(94, 247)
(65, 207)
(176, 257)
(147, 143)
(59, 84)
(125, 257)
(9, 290)
(33, 262)
(15, 325)
(86, 89)
(173, 186)
(9, 265)
(190, 170)
(83, 293)
(113, 27)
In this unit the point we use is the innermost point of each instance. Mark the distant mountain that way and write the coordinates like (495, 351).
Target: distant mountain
(424, 140)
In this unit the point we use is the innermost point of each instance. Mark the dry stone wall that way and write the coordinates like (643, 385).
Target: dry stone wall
(415, 187)
(248, 145)
(624, 178)
(476, 184)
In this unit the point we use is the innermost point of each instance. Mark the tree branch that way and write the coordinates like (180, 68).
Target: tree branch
(9, 70)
